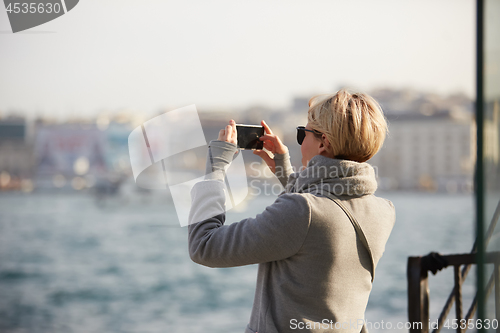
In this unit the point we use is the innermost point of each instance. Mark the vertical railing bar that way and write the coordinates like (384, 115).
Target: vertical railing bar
(497, 292)
(479, 176)
(418, 295)
(425, 302)
(413, 278)
(458, 296)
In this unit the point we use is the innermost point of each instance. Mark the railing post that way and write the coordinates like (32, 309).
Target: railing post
(497, 292)
(418, 296)
(458, 296)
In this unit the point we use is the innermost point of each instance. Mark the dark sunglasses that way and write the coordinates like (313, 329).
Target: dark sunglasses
(301, 133)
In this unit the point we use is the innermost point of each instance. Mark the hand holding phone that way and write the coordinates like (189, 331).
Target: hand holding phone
(228, 134)
(273, 145)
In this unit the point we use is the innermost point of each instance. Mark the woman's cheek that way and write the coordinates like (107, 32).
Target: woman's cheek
(303, 150)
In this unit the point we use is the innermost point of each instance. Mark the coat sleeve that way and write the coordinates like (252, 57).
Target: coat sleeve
(283, 167)
(275, 234)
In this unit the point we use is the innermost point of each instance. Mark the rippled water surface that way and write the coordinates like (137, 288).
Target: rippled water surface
(69, 263)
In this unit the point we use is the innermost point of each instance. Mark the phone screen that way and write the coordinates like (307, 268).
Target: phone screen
(248, 136)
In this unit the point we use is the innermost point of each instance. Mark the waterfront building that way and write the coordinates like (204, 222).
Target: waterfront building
(434, 152)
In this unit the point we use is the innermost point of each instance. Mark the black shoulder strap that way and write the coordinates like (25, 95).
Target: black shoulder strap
(356, 225)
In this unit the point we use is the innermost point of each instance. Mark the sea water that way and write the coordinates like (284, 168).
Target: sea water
(71, 262)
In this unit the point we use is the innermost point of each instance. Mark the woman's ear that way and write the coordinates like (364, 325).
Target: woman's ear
(324, 147)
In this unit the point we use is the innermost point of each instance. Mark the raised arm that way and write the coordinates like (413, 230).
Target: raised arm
(277, 233)
(280, 163)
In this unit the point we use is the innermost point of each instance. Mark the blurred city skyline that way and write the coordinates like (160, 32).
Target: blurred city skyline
(93, 153)
(155, 55)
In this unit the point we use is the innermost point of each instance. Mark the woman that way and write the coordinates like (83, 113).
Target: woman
(315, 267)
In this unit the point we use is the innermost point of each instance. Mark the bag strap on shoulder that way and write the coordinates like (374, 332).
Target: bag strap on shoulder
(356, 225)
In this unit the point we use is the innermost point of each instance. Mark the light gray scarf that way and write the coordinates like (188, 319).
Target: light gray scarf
(339, 177)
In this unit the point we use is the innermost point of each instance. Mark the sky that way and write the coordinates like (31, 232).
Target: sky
(148, 55)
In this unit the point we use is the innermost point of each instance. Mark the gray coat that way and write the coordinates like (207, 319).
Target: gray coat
(314, 273)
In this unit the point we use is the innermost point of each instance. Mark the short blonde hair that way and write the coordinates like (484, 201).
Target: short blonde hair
(353, 123)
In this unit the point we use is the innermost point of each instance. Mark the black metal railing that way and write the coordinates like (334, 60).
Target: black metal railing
(418, 285)
(418, 291)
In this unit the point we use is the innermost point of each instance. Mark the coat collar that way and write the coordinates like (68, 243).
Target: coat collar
(339, 177)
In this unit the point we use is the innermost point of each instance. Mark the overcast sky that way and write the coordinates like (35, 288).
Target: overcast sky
(150, 54)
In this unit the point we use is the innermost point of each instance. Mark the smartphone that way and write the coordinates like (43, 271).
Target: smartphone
(248, 136)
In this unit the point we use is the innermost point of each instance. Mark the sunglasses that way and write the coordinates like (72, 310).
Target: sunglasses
(301, 133)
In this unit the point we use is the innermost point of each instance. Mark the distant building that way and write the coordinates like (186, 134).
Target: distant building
(69, 151)
(434, 152)
(16, 154)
